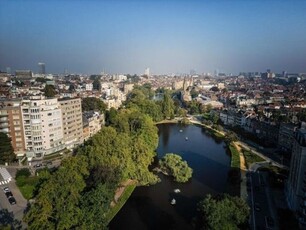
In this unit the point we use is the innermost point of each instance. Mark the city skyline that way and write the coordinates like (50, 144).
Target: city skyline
(167, 37)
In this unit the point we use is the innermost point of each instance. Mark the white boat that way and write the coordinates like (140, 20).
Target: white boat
(177, 190)
(173, 201)
(181, 130)
(186, 138)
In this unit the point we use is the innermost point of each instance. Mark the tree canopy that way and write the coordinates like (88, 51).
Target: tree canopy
(168, 106)
(50, 91)
(92, 103)
(78, 194)
(175, 166)
(6, 149)
(222, 212)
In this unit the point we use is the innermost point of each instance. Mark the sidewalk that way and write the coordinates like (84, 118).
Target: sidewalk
(243, 170)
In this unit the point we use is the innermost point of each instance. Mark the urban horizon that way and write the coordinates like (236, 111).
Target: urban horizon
(169, 37)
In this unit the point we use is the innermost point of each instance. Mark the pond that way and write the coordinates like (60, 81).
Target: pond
(150, 207)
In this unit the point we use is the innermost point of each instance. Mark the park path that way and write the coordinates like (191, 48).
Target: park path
(120, 190)
(243, 170)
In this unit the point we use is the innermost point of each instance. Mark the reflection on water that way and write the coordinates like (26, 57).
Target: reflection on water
(150, 208)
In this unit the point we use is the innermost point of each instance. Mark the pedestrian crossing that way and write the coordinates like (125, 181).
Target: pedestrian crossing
(5, 175)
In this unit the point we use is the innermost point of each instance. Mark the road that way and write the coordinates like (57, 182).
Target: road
(260, 201)
(21, 202)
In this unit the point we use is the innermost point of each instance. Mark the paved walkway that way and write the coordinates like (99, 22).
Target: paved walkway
(120, 190)
(243, 170)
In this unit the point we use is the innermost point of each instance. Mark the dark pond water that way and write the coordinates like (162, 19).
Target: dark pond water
(150, 208)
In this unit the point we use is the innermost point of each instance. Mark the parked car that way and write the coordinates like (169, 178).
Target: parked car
(9, 194)
(12, 200)
(6, 189)
(37, 165)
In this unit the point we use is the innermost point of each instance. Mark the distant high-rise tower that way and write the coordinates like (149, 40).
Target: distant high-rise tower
(42, 68)
(147, 72)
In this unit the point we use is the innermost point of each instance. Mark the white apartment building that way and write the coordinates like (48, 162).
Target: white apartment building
(88, 86)
(43, 128)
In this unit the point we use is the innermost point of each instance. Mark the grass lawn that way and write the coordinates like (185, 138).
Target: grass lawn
(251, 158)
(27, 185)
(235, 161)
(124, 197)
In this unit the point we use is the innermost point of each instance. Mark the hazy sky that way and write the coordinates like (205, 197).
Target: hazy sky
(166, 35)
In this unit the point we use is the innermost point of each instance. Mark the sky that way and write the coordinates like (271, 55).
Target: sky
(167, 36)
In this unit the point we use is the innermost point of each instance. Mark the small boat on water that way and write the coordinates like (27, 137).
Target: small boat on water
(186, 138)
(177, 190)
(181, 130)
(173, 201)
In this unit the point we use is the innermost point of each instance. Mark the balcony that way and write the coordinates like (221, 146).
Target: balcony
(3, 119)
(35, 121)
(4, 125)
(4, 130)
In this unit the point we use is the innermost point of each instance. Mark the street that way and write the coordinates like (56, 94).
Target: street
(21, 203)
(260, 202)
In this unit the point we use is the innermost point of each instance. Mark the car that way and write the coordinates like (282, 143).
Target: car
(257, 207)
(6, 189)
(12, 200)
(37, 165)
(9, 194)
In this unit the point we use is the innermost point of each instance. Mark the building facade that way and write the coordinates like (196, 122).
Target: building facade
(296, 185)
(72, 121)
(43, 128)
(11, 124)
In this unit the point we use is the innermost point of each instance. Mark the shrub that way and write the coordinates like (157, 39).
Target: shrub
(23, 172)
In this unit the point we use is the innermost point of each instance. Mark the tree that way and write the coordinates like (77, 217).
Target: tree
(94, 206)
(110, 116)
(175, 166)
(230, 136)
(214, 89)
(139, 99)
(93, 103)
(71, 88)
(144, 140)
(57, 203)
(96, 84)
(41, 79)
(194, 93)
(8, 221)
(167, 106)
(6, 150)
(50, 91)
(222, 212)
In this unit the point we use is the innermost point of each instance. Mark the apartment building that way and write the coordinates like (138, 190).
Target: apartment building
(72, 121)
(11, 124)
(296, 185)
(92, 123)
(43, 127)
